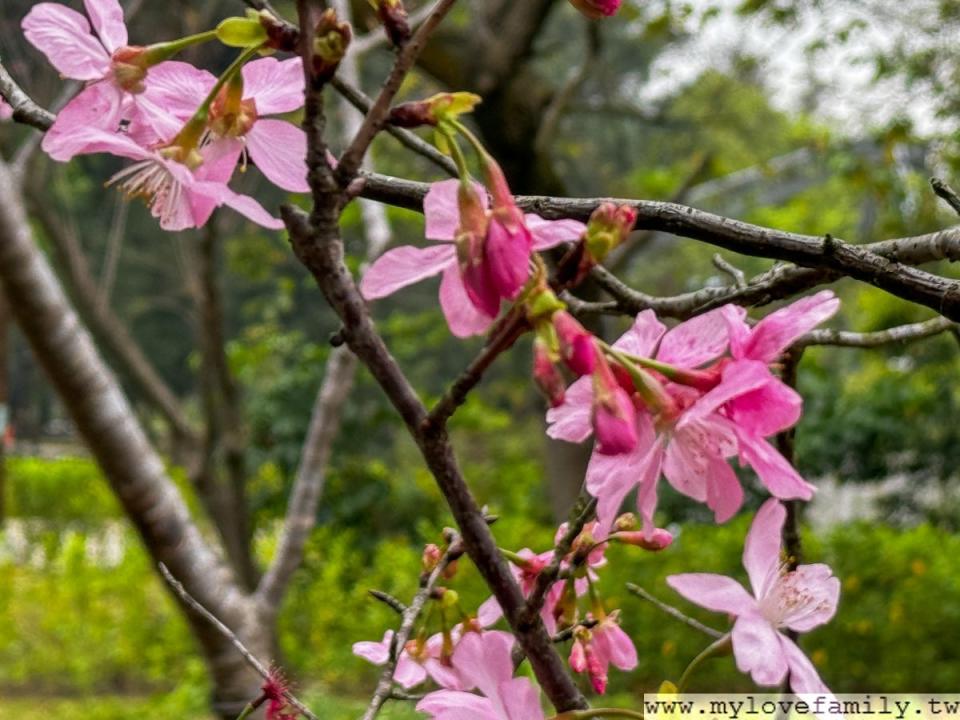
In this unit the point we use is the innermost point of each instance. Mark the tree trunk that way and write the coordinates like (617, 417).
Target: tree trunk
(102, 414)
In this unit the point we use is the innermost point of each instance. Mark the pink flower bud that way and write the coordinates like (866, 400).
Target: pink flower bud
(508, 247)
(614, 415)
(596, 670)
(608, 227)
(393, 15)
(577, 347)
(597, 8)
(431, 556)
(546, 375)
(578, 657)
(655, 541)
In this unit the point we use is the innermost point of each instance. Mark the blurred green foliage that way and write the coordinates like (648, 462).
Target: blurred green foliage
(76, 620)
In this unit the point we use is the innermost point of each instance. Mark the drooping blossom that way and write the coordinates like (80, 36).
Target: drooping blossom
(238, 123)
(597, 8)
(596, 648)
(487, 661)
(406, 265)
(115, 72)
(170, 181)
(417, 660)
(798, 600)
(724, 410)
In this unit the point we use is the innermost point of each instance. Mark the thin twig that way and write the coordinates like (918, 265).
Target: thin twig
(735, 273)
(673, 612)
(252, 661)
(946, 193)
(899, 333)
(377, 38)
(389, 600)
(410, 615)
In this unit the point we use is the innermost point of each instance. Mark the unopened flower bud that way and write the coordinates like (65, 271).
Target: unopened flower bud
(578, 657)
(393, 15)
(280, 35)
(242, 32)
(431, 556)
(594, 9)
(433, 110)
(449, 599)
(614, 415)
(657, 540)
(330, 42)
(546, 375)
(577, 346)
(608, 227)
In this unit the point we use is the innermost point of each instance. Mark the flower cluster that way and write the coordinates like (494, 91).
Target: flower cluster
(683, 402)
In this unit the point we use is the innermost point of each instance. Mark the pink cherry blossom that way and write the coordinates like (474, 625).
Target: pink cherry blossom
(416, 662)
(487, 660)
(604, 644)
(6, 111)
(690, 439)
(180, 197)
(98, 56)
(797, 600)
(406, 265)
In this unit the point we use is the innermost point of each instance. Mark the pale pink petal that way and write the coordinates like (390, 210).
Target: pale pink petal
(454, 705)
(404, 266)
(279, 150)
(819, 593)
(761, 549)
(63, 35)
(768, 410)
(724, 493)
(714, 592)
(409, 672)
(609, 479)
(442, 210)
(489, 612)
(647, 491)
(615, 645)
(97, 107)
(757, 649)
(463, 318)
(243, 204)
(777, 475)
(696, 341)
(107, 19)
(445, 677)
(693, 453)
(177, 87)
(550, 233)
(520, 700)
(275, 85)
(615, 422)
(220, 159)
(804, 677)
(571, 421)
(643, 336)
(737, 329)
(772, 335)
(485, 660)
(375, 652)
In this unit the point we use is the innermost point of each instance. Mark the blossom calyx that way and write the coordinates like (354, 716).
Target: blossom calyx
(433, 110)
(577, 345)
(545, 373)
(242, 32)
(608, 227)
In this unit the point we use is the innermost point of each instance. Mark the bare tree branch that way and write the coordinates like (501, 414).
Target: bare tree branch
(25, 110)
(898, 334)
(673, 612)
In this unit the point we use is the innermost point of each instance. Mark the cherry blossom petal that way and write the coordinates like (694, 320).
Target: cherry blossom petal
(177, 87)
(243, 204)
(445, 677)
(738, 378)
(279, 150)
(714, 592)
(409, 672)
(611, 477)
(615, 646)
(484, 660)
(98, 106)
(777, 475)
(767, 410)
(761, 549)
(404, 266)
(737, 329)
(375, 652)
(63, 35)
(489, 612)
(772, 335)
(695, 341)
(757, 649)
(724, 492)
(275, 85)
(571, 421)
(550, 233)
(643, 336)
(520, 700)
(804, 677)
(507, 257)
(463, 317)
(455, 705)
(809, 597)
(442, 211)
(107, 19)
(219, 161)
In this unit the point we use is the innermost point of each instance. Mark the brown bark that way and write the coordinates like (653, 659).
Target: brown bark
(102, 414)
(5, 418)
